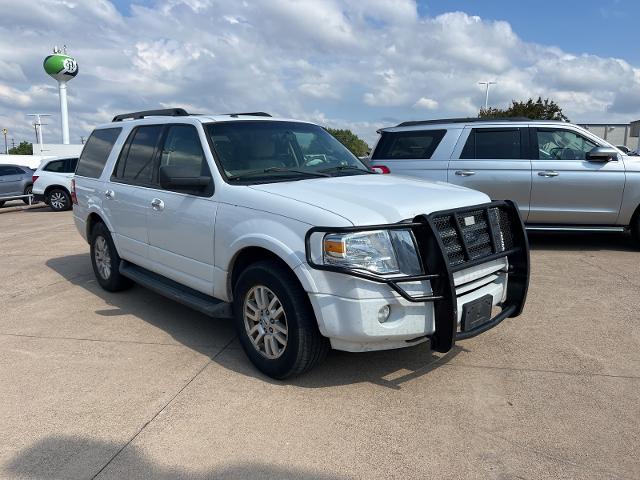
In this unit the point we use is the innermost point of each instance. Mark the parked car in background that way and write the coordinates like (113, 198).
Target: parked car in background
(15, 181)
(561, 176)
(275, 222)
(624, 149)
(52, 182)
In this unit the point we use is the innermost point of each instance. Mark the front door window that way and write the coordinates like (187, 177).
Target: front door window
(559, 144)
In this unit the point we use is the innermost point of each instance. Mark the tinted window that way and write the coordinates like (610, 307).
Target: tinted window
(11, 170)
(408, 145)
(56, 166)
(136, 160)
(487, 143)
(245, 149)
(558, 144)
(96, 152)
(182, 149)
(73, 163)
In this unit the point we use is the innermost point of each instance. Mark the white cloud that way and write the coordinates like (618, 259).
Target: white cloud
(426, 103)
(359, 65)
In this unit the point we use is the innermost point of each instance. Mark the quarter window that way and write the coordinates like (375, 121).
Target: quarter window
(96, 152)
(488, 143)
(56, 166)
(559, 144)
(408, 145)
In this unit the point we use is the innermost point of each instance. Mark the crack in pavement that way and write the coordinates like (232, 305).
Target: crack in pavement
(211, 359)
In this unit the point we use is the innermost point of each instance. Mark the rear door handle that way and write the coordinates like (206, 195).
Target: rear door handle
(157, 204)
(465, 173)
(109, 193)
(548, 173)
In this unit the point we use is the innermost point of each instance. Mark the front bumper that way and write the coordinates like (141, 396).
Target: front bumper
(433, 311)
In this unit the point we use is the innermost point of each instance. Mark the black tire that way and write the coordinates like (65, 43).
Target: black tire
(113, 281)
(635, 228)
(59, 200)
(1, 203)
(28, 191)
(305, 346)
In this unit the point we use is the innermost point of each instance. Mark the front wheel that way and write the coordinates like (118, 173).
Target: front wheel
(275, 321)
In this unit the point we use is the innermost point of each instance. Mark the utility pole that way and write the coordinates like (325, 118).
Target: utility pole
(38, 126)
(486, 92)
(13, 143)
(6, 146)
(82, 140)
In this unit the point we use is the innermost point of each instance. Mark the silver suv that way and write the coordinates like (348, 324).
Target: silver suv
(561, 176)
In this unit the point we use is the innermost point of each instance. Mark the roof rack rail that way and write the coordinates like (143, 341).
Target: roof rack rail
(248, 114)
(463, 120)
(166, 112)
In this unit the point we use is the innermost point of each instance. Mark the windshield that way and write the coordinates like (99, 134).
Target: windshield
(272, 150)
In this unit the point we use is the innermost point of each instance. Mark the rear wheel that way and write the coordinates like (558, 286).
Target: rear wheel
(59, 200)
(106, 261)
(28, 191)
(275, 321)
(1, 204)
(635, 228)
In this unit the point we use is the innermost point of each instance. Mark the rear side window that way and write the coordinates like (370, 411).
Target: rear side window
(136, 162)
(56, 166)
(490, 143)
(96, 152)
(408, 145)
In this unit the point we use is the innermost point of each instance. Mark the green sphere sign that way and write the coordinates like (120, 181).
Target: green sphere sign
(61, 67)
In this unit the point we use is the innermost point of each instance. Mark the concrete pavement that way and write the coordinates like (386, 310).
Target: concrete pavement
(131, 385)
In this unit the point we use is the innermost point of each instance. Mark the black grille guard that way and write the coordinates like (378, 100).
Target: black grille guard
(438, 269)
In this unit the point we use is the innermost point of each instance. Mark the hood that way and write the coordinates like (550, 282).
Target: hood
(375, 199)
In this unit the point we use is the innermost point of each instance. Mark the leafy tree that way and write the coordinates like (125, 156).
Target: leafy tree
(350, 140)
(25, 148)
(536, 110)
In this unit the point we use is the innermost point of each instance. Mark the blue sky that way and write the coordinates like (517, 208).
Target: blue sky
(600, 27)
(357, 64)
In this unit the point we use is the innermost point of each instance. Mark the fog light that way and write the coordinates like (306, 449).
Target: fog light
(383, 313)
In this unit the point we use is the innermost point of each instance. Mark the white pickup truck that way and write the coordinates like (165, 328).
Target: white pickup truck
(276, 224)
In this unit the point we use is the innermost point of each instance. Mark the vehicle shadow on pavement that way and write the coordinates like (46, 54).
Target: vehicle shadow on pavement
(207, 336)
(577, 241)
(65, 457)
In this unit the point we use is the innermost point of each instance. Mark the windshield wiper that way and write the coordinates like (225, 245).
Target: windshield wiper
(253, 173)
(341, 168)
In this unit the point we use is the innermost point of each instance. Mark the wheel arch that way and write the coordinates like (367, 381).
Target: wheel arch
(54, 186)
(250, 254)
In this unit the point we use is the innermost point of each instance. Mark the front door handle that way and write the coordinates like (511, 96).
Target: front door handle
(548, 173)
(465, 173)
(109, 193)
(157, 204)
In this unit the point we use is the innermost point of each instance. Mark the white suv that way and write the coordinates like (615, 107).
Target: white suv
(52, 182)
(276, 223)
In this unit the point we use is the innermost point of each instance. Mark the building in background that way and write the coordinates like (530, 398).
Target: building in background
(617, 133)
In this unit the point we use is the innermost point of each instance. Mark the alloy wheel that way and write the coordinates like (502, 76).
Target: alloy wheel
(265, 322)
(102, 257)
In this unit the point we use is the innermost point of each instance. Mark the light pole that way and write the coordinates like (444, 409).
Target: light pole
(38, 126)
(6, 147)
(486, 92)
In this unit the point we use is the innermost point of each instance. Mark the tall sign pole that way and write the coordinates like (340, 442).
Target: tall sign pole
(62, 68)
(6, 146)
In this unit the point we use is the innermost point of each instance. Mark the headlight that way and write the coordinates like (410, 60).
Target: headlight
(378, 251)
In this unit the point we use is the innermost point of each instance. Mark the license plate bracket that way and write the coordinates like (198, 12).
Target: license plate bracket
(476, 313)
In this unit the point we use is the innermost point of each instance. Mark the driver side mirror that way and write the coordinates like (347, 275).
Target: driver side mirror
(602, 154)
(180, 178)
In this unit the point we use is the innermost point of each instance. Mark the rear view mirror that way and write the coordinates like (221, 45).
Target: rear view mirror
(181, 178)
(602, 154)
